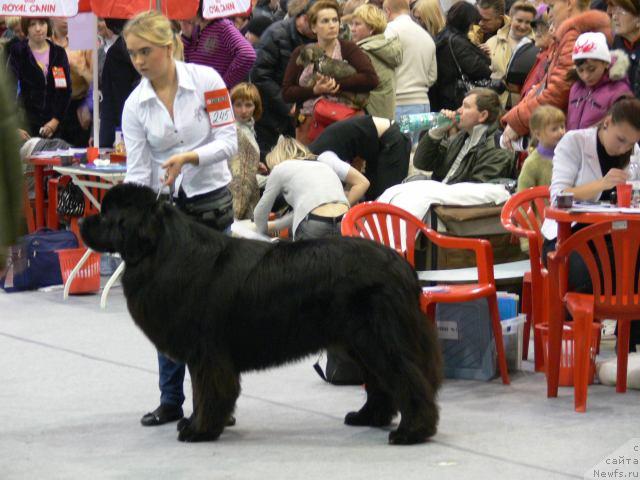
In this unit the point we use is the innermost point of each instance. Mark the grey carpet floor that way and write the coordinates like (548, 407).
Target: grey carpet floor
(76, 379)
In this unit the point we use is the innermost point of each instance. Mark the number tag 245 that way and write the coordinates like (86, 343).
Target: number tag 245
(218, 106)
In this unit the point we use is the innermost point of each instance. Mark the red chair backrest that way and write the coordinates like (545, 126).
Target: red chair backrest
(523, 213)
(398, 229)
(608, 249)
(386, 224)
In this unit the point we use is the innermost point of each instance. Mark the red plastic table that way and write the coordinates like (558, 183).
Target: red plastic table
(565, 218)
(39, 166)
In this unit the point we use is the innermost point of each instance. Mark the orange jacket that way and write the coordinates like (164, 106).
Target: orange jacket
(554, 87)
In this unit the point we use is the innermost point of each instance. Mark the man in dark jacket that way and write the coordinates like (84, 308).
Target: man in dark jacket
(273, 52)
(119, 78)
(466, 150)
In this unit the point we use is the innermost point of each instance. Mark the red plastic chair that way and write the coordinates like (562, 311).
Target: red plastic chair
(610, 251)
(523, 215)
(398, 229)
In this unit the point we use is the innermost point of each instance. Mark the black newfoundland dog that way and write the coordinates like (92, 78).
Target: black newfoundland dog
(225, 306)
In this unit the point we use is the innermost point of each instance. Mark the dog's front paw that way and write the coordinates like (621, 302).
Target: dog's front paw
(190, 434)
(404, 437)
(183, 423)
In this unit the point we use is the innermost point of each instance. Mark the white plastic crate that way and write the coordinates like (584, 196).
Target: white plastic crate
(512, 336)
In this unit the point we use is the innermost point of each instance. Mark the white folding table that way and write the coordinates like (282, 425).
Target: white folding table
(108, 177)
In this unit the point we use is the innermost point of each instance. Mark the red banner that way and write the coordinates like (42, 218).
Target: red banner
(174, 9)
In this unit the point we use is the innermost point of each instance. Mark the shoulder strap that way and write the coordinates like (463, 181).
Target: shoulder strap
(455, 60)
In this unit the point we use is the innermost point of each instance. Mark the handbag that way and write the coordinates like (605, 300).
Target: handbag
(464, 84)
(326, 112)
(71, 201)
(33, 262)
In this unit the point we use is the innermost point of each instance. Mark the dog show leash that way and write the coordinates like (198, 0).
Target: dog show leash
(172, 189)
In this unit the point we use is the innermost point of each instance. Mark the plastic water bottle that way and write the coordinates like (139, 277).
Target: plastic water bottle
(118, 144)
(635, 197)
(416, 122)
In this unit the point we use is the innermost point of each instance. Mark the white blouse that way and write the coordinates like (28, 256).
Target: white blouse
(151, 137)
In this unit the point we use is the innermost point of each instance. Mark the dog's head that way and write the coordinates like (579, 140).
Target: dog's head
(309, 54)
(129, 223)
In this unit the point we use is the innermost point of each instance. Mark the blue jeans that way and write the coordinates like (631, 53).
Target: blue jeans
(408, 110)
(171, 379)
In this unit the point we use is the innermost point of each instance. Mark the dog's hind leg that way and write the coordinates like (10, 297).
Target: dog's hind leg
(378, 410)
(417, 402)
(216, 387)
(398, 370)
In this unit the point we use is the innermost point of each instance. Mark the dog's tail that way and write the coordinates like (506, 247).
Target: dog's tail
(422, 330)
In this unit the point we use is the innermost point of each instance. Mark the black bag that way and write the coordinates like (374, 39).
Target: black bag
(464, 84)
(214, 209)
(340, 369)
(33, 262)
(71, 201)
(521, 63)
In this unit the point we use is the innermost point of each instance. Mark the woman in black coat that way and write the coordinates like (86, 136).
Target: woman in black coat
(452, 41)
(44, 85)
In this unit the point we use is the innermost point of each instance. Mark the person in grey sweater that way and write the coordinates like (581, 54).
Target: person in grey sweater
(313, 186)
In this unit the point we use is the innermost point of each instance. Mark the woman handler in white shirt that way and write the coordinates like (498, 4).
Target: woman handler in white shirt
(589, 163)
(178, 131)
(312, 186)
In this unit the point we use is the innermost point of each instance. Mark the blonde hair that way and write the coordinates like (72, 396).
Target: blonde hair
(544, 116)
(583, 5)
(430, 14)
(155, 28)
(287, 148)
(348, 9)
(11, 22)
(372, 16)
(248, 91)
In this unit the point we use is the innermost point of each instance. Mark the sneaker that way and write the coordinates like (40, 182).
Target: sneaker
(161, 415)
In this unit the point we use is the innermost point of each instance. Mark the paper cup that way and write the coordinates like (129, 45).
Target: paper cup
(623, 191)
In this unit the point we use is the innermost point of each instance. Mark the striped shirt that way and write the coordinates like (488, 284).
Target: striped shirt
(220, 45)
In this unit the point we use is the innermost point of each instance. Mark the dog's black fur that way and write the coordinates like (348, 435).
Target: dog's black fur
(225, 306)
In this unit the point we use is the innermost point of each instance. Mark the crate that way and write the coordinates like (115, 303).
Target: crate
(568, 352)
(512, 336)
(87, 279)
(467, 343)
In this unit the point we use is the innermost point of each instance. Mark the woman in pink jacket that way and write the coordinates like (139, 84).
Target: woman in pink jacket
(570, 18)
(601, 80)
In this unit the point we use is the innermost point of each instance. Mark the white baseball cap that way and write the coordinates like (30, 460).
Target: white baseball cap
(591, 45)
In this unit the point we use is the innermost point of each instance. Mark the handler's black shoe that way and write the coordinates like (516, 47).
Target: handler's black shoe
(161, 415)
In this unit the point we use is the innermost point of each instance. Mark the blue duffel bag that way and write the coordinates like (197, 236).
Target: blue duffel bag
(33, 262)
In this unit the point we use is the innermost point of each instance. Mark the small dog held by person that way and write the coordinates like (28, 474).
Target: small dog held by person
(330, 67)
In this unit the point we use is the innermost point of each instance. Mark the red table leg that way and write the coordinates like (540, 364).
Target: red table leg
(38, 177)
